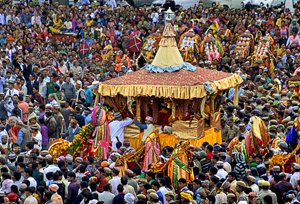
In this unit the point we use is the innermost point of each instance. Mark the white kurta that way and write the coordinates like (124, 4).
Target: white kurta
(117, 130)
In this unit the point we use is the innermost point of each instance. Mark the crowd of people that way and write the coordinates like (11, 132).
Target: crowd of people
(50, 56)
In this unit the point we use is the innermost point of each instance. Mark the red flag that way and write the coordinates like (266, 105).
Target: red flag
(83, 48)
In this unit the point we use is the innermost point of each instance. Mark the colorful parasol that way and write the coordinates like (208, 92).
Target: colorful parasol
(135, 44)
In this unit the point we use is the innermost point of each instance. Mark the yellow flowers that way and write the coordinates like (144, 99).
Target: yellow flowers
(62, 147)
(59, 147)
(81, 138)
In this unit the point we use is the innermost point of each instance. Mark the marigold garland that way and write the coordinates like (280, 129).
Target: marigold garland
(59, 147)
(81, 138)
(93, 138)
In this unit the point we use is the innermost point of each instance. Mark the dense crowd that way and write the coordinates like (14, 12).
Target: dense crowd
(45, 94)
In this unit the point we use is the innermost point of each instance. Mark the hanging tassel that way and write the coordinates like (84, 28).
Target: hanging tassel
(202, 107)
(96, 138)
(236, 96)
(149, 54)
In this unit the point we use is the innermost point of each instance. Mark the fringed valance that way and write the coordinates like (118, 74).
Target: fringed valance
(163, 91)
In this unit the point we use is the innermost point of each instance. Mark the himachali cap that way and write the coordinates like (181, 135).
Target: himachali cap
(61, 158)
(274, 122)
(44, 153)
(56, 106)
(151, 191)
(107, 170)
(78, 159)
(241, 184)
(273, 127)
(153, 195)
(34, 127)
(220, 164)
(281, 126)
(230, 195)
(129, 198)
(104, 164)
(296, 166)
(69, 158)
(11, 81)
(129, 172)
(263, 183)
(11, 156)
(263, 98)
(54, 187)
(287, 119)
(117, 115)
(276, 169)
(170, 193)
(252, 194)
(251, 178)
(141, 196)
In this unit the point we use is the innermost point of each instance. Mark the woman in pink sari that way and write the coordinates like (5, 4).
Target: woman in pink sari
(152, 151)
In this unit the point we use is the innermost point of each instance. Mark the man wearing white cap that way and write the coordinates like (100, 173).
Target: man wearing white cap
(117, 129)
(221, 171)
(80, 93)
(296, 174)
(146, 128)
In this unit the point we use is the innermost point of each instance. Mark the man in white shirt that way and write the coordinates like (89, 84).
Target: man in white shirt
(127, 188)
(226, 165)
(50, 168)
(76, 69)
(252, 184)
(63, 68)
(9, 96)
(52, 100)
(29, 197)
(36, 135)
(11, 90)
(2, 17)
(222, 174)
(115, 181)
(106, 196)
(117, 129)
(111, 3)
(28, 174)
(163, 188)
(296, 174)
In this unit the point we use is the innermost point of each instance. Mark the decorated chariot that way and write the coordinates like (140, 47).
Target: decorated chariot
(263, 53)
(189, 46)
(176, 95)
(244, 45)
(149, 49)
(211, 48)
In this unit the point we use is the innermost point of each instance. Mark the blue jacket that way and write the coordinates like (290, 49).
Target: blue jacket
(70, 134)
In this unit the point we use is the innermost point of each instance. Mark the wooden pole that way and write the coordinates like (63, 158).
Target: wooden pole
(97, 100)
(173, 110)
(138, 108)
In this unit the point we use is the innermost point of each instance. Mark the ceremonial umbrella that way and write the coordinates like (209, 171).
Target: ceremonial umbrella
(135, 44)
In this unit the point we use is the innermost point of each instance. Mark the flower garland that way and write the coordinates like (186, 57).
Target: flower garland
(101, 132)
(93, 138)
(81, 138)
(59, 147)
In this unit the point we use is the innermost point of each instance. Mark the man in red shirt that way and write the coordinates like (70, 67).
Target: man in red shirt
(24, 107)
(209, 150)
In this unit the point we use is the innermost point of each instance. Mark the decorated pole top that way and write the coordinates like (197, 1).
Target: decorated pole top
(168, 57)
(169, 14)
